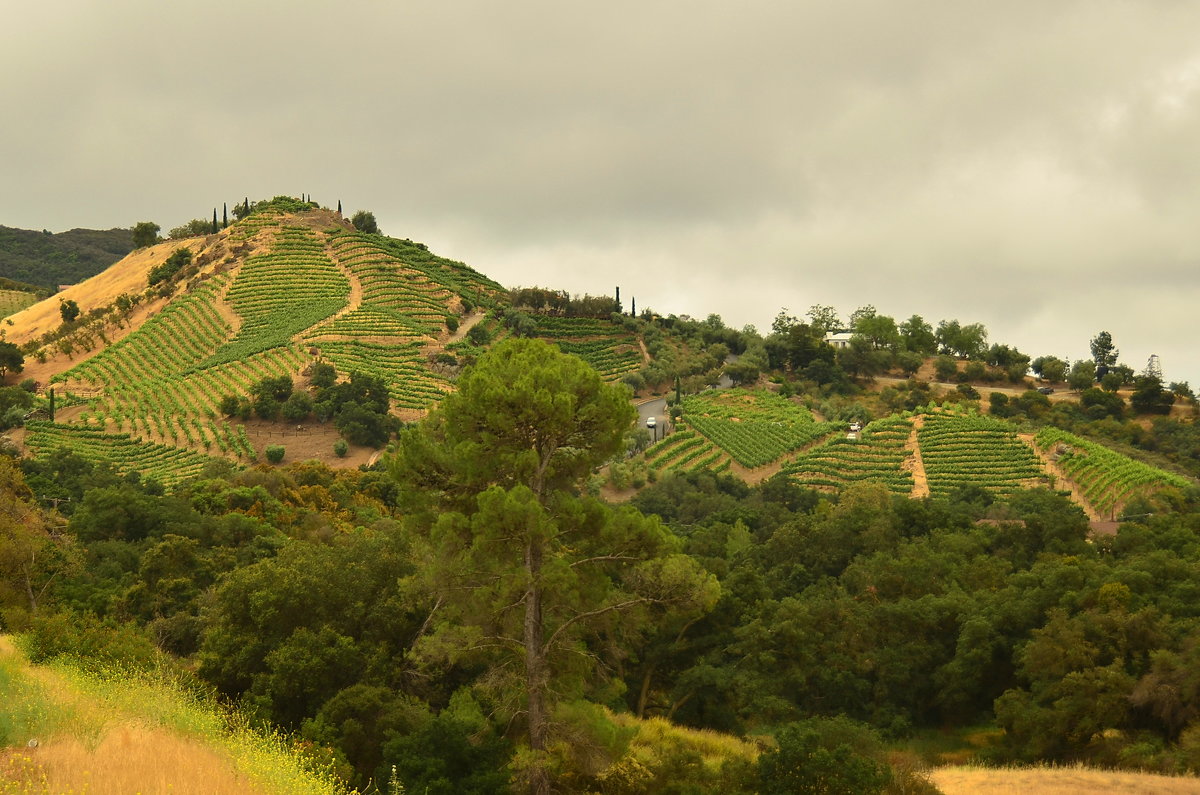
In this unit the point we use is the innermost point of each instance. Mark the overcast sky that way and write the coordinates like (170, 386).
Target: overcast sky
(1029, 165)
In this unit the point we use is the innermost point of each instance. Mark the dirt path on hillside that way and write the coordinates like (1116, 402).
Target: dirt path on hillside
(356, 288)
(914, 463)
(1061, 479)
(468, 323)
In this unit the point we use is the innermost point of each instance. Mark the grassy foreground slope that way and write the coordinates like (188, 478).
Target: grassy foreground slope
(65, 730)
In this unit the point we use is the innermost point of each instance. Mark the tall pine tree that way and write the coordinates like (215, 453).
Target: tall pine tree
(530, 578)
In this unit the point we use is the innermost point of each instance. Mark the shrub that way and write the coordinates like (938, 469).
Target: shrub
(824, 755)
(340, 448)
(364, 221)
(452, 324)
(323, 375)
(174, 263)
(229, 405)
(479, 335)
(298, 406)
(275, 453)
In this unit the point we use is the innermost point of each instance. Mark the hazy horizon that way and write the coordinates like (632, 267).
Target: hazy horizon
(1028, 166)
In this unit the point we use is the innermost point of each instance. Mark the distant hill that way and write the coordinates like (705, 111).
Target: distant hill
(48, 260)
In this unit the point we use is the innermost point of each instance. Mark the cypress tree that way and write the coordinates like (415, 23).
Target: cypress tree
(339, 206)
(224, 215)
(52, 405)
(633, 307)
(247, 205)
(215, 220)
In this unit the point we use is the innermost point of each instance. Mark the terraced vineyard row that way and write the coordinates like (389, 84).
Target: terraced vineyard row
(371, 322)
(411, 384)
(754, 444)
(453, 275)
(168, 465)
(611, 358)
(1107, 479)
(960, 450)
(878, 456)
(753, 427)
(552, 327)
(408, 281)
(281, 294)
(685, 451)
(188, 330)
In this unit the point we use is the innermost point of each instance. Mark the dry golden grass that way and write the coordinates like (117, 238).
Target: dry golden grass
(1041, 780)
(126, 276)
(132, 734)
(128, 759)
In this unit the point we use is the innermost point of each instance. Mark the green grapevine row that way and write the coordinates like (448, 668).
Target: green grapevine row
(168, 465)
(979, 451)
(1107, 479)
(879, 456)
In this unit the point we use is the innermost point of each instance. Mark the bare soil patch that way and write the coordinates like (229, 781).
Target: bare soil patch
(914, 463)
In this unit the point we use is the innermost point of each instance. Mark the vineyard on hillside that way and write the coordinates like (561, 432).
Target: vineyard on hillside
(406, 291)
(280, 294)
(879, 456)
(970, 450)
(751, 428)
(606, 346)
(168, 465)
(291, 297)
(151, 384)
(1107, 479)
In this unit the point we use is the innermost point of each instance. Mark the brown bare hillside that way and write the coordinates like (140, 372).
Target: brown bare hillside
(126, 276)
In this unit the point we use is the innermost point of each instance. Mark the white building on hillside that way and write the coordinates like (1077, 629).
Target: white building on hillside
(838, 339)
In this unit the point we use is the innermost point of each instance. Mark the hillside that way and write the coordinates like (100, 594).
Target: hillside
(379, 613)
(146, 366)
(50, 260)
(141, 378)
(936, 451)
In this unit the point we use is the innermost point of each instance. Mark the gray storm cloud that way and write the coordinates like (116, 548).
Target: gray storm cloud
(1028, 165)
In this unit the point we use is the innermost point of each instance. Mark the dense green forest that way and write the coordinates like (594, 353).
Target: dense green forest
(49, 259)
(466, 615)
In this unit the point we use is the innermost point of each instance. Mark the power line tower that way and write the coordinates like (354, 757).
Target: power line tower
(1153, 367)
